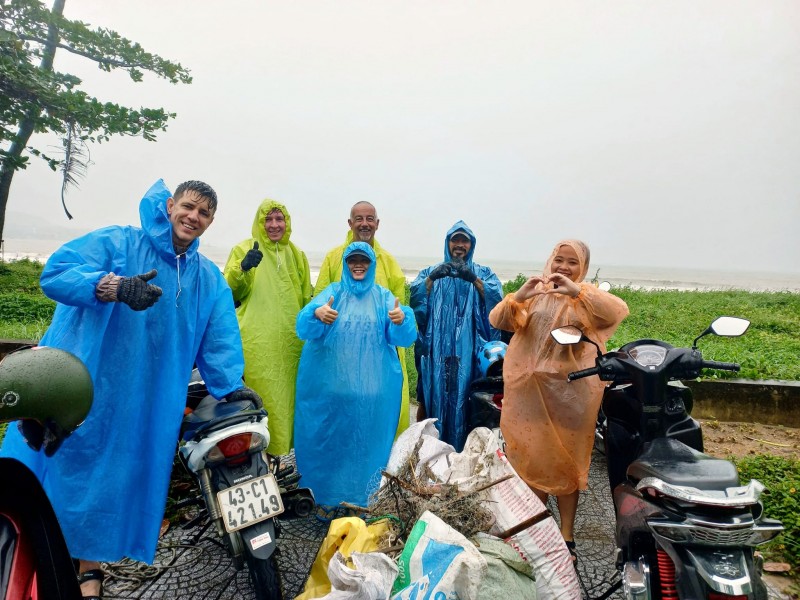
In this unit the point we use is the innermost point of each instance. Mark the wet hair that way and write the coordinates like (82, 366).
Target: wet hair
(201, 189)
(375, 210)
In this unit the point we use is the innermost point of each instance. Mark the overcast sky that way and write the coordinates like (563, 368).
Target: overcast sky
(663, 133)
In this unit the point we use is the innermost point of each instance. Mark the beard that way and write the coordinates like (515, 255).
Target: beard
(364, 236)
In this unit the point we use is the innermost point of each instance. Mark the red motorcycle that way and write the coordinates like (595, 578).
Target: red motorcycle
(50, 392)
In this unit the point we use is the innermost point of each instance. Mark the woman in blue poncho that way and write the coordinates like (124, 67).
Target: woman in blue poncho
(349, 381)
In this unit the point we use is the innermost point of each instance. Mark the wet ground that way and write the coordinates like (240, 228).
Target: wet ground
(191, 564)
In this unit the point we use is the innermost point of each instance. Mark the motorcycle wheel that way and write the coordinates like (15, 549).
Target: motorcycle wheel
(265, 577)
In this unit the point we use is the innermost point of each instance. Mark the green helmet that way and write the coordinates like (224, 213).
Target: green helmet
(49, 389)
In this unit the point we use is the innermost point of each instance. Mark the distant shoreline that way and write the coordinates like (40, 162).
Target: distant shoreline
(618, 276)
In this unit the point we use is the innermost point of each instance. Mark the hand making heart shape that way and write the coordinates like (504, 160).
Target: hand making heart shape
(556, 283)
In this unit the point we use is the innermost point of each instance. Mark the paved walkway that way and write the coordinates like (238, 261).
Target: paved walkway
(191, 564)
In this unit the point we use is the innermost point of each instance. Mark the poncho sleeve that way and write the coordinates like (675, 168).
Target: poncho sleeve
(600, 312)
(220, 359)
(73, 271)
(492, 287)
(509, 315)
(305, 278)
(402, 335)
(396, 279)
(241, 282)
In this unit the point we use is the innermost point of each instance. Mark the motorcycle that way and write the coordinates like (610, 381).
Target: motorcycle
(243, 488)
(50, 392)
(685, 526)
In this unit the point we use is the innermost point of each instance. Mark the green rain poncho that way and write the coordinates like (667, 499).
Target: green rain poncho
(271, 295)
(389, 275)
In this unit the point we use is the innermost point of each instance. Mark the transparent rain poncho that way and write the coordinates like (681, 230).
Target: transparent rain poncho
(387, 274)
(271, 295)
(547, 422)
(349, 387)
(453, 322)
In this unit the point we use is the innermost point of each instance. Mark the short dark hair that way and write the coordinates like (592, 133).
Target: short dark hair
(201, 189)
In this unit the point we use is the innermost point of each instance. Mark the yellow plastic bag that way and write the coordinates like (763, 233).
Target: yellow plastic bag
(347, 535)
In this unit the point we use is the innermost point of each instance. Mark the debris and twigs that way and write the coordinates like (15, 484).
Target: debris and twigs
(405, 496)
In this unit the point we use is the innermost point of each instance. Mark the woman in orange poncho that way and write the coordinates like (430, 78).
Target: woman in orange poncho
(547, 422)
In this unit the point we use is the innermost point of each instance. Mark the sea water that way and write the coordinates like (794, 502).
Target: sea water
(617, 275)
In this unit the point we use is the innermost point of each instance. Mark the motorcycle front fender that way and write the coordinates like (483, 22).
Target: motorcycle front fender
(260, 539)
(727, 570)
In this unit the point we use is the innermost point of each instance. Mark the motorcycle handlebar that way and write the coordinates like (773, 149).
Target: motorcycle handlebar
(583, 373)
(722, 366)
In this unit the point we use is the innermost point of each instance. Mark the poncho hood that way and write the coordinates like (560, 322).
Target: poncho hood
(155, 221)
(260, 234)
(459, 226)
(581, 249)
(358, 288)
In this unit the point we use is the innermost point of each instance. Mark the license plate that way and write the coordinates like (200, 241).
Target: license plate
(250, 502)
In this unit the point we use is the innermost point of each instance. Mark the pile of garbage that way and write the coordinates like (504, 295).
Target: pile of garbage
(445, 525)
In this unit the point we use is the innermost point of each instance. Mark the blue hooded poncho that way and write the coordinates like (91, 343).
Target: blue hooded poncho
(453, 323)
(108, 481)
(349, 386)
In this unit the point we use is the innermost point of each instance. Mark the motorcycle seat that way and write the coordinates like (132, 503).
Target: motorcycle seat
(676, 463)
(210, 410)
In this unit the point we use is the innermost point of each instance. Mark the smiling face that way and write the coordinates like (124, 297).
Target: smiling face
(275, 225)
(190, 215)
(566, 262)
(363, 222)
(358, 264)
(459, 246)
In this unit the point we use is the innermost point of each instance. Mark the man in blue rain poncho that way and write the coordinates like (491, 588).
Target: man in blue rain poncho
(349, 381)
(139, 306)
(451, 302)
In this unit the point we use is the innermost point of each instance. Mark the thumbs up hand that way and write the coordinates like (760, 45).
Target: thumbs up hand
(396, 315)
(137, 293)
(326, 313)
(252, 258)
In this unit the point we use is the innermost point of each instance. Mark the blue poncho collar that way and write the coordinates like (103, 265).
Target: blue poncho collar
(358, 288)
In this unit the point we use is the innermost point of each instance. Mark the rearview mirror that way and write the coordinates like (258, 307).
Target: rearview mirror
(567, 336)
(730, 326)
(604, 285)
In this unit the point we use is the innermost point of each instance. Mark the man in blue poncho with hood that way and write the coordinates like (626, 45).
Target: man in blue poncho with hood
(139, 306)
(451, 302)
(349, 382)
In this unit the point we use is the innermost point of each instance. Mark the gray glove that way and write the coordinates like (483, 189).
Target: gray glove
(244, 394)
(137, 293)
(463, 271)
(439, 271)
(252, 258)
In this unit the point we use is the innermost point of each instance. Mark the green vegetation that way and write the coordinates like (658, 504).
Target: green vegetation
(25, 312)
(781, 501)
(768, 350)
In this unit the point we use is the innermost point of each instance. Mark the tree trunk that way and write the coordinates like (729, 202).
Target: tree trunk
(27, 125)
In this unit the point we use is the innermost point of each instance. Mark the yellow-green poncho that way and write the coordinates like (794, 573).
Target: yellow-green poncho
(389, 275)
(271, 295)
